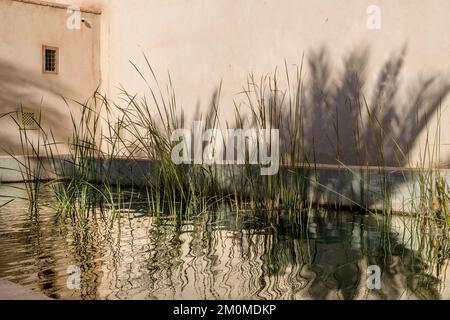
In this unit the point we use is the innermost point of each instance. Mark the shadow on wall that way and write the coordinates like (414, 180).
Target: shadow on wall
(324, 118)
(381, 131)
(327, 119)
(24, 90)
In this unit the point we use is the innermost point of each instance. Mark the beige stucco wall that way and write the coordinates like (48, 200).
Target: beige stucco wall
(204, 42)
(24, 28)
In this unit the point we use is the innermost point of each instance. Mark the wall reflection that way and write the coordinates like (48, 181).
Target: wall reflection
(218, 256)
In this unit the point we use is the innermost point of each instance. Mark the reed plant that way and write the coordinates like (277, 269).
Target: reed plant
(139, 127)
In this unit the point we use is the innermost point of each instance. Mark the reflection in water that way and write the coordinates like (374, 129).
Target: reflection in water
(219, 255)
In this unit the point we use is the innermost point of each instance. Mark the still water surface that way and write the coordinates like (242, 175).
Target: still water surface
(220, 255)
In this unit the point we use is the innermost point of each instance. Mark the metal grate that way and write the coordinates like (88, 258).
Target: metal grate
(28, 121)
(50, 59)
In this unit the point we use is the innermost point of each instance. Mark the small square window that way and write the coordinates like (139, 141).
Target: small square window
(28, 120)
(50, 63)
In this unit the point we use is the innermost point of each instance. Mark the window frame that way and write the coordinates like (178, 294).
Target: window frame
(56, 49)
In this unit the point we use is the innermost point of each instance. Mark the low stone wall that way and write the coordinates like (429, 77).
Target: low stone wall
(370, 188)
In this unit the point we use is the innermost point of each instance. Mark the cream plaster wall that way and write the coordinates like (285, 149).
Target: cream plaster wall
(24, 28)
(202, 43)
